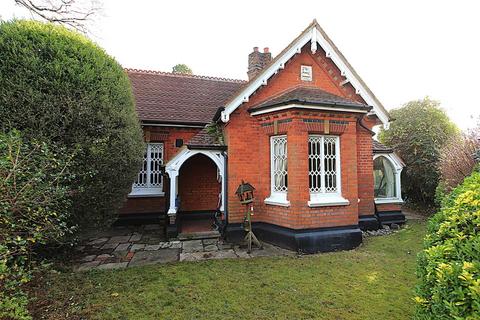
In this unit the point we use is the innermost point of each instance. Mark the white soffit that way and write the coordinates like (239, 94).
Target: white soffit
(314, 35)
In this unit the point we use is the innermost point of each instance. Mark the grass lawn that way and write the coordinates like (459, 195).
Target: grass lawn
(375, 281)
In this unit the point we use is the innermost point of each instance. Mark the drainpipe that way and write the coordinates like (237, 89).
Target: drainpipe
(360, 123)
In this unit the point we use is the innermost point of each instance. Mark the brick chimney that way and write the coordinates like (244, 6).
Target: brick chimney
(257, 61)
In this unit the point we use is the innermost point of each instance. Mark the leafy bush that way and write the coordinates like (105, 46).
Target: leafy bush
(449, 266)
(418, 133)
(56, 85)
(34, 210)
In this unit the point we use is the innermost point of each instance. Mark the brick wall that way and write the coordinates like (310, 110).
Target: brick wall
(389, 207)
(167, 135)
(365, 170)
(198, 186)
(249, 153)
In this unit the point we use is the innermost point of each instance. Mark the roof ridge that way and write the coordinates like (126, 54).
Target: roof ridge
(183, 75)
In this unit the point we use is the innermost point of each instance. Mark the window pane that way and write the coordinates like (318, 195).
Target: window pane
(156, 159)
(141, 181)
(279, 165)
(330, 159)
(314, 163)
(322, 164)
(384, 178)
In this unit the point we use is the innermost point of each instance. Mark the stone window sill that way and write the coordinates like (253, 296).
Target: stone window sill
(146, 194)
(276, 200)
(327, 201)
(388, 201)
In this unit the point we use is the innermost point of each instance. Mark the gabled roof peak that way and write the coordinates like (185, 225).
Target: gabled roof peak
(314, 35)
(183, 75)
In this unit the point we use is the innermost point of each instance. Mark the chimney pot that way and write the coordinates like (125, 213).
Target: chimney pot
(257, 61)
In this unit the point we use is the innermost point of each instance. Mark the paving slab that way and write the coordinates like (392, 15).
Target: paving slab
(88, 265)
(89, 258)
(109, 245)
(97, 241)
(104, 256)
(123, 247)
(210, 247)
(152, 257)
(113, 265)
(192, 246)
(137, 246)
(119, 239)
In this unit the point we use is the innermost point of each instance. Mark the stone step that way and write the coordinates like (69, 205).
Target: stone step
(199, 235)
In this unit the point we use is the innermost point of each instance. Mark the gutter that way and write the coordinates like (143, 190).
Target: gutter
(312, 103)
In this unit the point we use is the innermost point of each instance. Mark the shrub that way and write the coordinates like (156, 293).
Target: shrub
(449, 266)
(56, 85)
(457, 160)
(418, 133)
(34, 210)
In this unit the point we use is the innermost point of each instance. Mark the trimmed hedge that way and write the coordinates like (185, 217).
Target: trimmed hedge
(57, 86)
(449, 266)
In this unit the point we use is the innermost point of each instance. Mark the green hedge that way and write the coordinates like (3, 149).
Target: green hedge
(449, 266)
(57, 86)
(34, 210)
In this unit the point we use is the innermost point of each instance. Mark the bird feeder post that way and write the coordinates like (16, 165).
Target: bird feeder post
(245, 195)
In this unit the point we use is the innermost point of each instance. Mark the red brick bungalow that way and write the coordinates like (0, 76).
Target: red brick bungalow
(299, 131)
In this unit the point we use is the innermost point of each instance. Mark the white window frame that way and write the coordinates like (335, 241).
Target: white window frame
(278, 198)
(322, 198)
(148, 190)
(397, 171)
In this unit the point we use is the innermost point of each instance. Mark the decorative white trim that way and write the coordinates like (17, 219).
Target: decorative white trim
(303, 106)
(327, 201)
(149, 194)
(314, 35)
(388, 201)
(277, 201)
(398, 167)
(173, 169)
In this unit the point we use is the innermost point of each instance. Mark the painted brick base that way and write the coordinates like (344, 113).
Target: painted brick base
(389, 217)
(369, 222)
(306, 240)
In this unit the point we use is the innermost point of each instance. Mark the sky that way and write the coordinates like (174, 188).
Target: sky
(404, 50)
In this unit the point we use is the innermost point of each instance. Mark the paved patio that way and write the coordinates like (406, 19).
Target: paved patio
(123, 247)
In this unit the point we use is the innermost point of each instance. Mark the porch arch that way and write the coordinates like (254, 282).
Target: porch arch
(173, 169)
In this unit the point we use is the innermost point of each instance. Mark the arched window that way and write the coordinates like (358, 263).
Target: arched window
(385, 177)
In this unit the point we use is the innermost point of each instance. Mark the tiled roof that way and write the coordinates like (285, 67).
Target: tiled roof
(179, 98)
(308, 95)
(204, 139)
(380, 148)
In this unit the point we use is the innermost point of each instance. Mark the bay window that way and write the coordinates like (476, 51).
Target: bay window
(386, 179)
(149, 181)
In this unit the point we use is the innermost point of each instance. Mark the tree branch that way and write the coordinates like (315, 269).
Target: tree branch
(75, 14)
